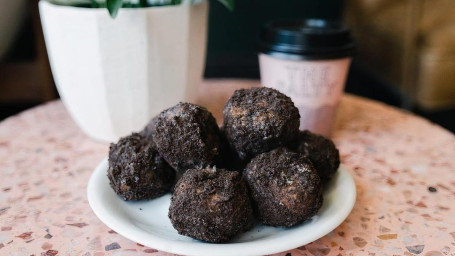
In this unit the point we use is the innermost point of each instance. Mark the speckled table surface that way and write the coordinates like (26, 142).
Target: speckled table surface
(403, 166)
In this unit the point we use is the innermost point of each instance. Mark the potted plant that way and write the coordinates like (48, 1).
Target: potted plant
(115, 70)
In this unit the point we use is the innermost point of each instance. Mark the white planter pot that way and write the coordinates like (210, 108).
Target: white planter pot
(113, 75)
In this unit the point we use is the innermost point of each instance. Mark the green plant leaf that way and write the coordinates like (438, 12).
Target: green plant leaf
(113, 6)
(228, 3)
(84, 3)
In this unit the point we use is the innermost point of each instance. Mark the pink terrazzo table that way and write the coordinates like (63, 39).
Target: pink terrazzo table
(403, 166)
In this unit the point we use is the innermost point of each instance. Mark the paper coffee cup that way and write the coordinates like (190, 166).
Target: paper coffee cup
(308, 60)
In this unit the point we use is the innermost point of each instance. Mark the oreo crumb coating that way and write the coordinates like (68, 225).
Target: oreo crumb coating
(136, 170)
(285, 188)
(211, 205)
(321, 152)
(186, 136)
(259, 119)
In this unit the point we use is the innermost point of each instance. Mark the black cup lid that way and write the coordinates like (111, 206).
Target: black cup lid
(309, 38)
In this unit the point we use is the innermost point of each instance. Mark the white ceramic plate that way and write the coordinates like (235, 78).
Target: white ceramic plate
(146, 222)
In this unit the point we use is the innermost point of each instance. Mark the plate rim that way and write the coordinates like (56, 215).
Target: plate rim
(185, 248)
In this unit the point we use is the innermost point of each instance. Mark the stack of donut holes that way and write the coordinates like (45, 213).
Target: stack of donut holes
(257, 166)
